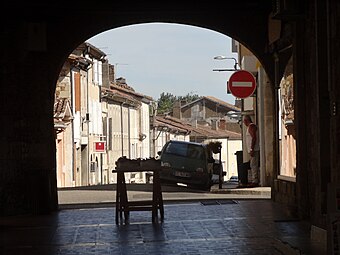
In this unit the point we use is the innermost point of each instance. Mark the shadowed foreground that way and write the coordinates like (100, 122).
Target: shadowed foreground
(207, 227)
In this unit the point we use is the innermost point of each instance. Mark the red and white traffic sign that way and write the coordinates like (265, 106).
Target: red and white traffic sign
(242, 84)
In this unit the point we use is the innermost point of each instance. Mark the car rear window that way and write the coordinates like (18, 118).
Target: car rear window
(185, 150)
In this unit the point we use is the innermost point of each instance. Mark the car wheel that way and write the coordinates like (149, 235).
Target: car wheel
(207, 185)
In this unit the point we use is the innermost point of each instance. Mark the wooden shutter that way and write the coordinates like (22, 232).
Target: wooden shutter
(77, 92)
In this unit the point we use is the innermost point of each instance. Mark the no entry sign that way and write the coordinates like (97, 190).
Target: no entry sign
(242, 84)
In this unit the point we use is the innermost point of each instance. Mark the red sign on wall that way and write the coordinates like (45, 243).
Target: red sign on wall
(100, 146)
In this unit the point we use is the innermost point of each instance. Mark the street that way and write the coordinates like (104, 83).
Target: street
(105, 195)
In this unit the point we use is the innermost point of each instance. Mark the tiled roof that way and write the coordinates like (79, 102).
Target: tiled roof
(214, 100)
(119, 96)
(129, 90)
(61, 106)
(121, 82)
(91, 49)
(205, 131)
(62, 114)
(82, 62)
(175, 124)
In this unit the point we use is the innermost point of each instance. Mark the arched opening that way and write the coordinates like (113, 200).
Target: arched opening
(33, 55)
(103, 113)
(50, 59)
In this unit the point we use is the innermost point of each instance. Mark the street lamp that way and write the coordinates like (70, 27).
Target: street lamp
(235, 115)
(223, 58)
(220, 57)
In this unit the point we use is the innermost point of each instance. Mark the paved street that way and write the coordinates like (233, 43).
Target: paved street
(105, 195)
(192, 228)
(220, 221)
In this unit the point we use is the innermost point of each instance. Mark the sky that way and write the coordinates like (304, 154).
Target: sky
(170, 58)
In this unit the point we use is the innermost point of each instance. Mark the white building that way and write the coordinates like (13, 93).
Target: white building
(80, 82)
(126, 116)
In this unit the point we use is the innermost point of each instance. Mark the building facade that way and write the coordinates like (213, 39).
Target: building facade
(126, 126)
(80, 81)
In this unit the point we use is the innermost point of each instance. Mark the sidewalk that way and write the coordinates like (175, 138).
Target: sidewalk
(232, 188)
(105, 195)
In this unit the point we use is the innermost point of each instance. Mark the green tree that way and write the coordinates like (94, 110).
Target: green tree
(188, 98)
(167, 100)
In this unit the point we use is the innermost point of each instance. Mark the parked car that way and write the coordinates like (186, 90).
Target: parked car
(233, 178)
(187, 162)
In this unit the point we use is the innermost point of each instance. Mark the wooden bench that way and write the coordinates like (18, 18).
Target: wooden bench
(123, 206)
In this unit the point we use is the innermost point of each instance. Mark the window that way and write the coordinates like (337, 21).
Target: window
(97, 72)
(185, 150)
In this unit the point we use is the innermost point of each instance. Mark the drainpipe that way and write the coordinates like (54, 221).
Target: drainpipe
(121, 127)
(88, 128)
(72, 135)
(228, 158)
(204, 112)
(129, 132)
(153, 143)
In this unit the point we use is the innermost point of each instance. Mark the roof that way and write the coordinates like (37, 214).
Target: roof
(62, 109)
(62, 114)
(173, 124)
(119, 96)
(214, 100)
(124, 88)
(205, 131)
(92, 50)
(81, 61)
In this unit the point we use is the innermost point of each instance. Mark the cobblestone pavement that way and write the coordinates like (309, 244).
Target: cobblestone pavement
(219, 227)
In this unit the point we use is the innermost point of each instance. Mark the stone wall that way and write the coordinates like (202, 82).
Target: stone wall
(284, 192)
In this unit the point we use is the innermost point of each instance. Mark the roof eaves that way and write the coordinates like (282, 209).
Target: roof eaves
(221, 102)
(129, 91)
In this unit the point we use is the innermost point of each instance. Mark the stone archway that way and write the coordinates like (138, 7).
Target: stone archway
(37, 42)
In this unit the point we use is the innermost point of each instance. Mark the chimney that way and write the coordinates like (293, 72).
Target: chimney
(106, 74)
(238, 103)
(214, 125)
(222, 124)
(183, 102)
(111, 73)
(177, 113)
(194, 123)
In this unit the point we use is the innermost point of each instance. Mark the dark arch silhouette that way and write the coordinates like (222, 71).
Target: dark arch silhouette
(37, 40)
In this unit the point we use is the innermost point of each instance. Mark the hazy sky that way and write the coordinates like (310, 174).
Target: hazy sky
(162, 57)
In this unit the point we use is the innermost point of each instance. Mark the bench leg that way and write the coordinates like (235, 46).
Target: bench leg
(117, 200)
(157, 197)
(121, 198)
